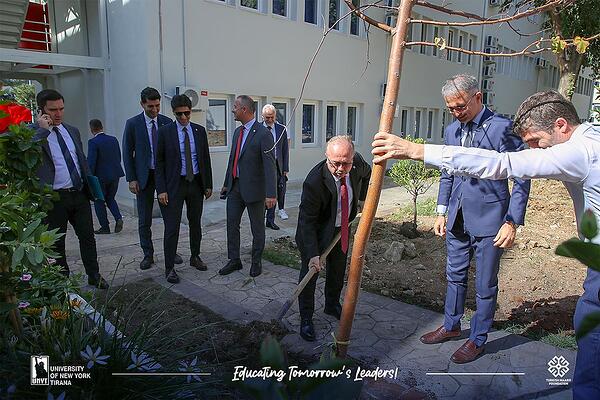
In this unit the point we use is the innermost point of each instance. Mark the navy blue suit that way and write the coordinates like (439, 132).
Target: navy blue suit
(169, 179)
(137, 159)
(104, 159)
(477, 209)
(282, 156)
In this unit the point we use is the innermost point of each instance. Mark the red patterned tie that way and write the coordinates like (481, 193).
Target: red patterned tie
(344, 222)
(238, 147)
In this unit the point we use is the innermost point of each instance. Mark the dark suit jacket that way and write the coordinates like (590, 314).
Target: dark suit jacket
(318, 205)
(486, 204)
(283, 152)
(137, 151)
(46, 171)
(104, 157)
(258, 173)
(168, 159)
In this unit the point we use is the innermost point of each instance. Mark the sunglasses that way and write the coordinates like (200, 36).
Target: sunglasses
(181, 113)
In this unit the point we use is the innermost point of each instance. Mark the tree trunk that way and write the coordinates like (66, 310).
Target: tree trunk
(415, 210)
(569, 61)
(366, 221)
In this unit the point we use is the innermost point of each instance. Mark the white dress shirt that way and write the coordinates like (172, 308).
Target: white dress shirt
(62, 177)
(338, 217)
(149, 129)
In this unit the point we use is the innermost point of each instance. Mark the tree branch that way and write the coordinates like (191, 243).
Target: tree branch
(537, 10)
(366, 18)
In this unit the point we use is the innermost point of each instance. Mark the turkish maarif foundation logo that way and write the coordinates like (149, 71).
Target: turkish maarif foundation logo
(40, 365)
(558, 366)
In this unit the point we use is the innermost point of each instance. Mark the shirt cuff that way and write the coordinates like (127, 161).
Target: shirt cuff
(441, 209)
(432, 155)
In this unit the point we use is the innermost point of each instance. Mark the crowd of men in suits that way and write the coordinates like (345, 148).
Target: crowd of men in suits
(477, 213)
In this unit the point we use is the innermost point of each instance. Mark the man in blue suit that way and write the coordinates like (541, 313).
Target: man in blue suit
(140, 139)
(104, 159)
(282, 156)
(482, 216)
(183, 174)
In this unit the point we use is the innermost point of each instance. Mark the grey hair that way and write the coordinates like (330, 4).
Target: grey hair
(268, 108)
(460, 83)
(341, 139)
(540, 111)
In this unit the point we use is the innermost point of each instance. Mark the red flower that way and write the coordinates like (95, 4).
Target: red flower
(15, 115)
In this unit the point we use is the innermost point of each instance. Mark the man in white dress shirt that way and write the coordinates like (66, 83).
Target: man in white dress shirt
(560, 148)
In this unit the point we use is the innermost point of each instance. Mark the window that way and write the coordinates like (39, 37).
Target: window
(423, 49)
(460, 45)
(308, 123)
(334, 14)
(450, 43)
(417, 123)
(436, 33)
(429, 124)
(310, 11)
(354, 26)
(249, 3)
(281, 112)
(331, 126)
(351, 127)
(403, 122)
(279, 7)
(216, 122)
(257, 111)
(469, 56)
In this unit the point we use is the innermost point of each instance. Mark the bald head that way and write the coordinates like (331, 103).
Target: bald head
(340, 154)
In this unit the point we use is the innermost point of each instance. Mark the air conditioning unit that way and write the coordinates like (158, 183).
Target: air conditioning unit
(494, 3)
(199, 97)
(541, 63)
(488, 98)
(491, 41)
(487, 59)
(489, 71)
(487, 85)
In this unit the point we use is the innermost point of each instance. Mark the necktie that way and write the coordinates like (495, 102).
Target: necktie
(75, 177)
(238, 147)
(154, 142)
(189, 170)
(469, 135)
(344, 222)
(275, 147)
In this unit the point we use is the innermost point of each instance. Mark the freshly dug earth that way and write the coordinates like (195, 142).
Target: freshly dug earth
(538, 290)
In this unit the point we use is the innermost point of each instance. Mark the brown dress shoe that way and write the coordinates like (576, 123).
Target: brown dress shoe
(466, 353)
(440, 335)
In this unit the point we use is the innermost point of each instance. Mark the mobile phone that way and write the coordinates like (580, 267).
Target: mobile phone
(223, 195)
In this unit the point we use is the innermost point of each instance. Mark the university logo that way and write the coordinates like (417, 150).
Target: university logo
(40, 367)
(558, 366)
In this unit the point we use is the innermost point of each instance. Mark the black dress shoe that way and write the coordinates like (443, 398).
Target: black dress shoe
(231, 266)
(102, 231)
(272, 225)
(307, 330)
(119, 226)
(147, 262)
(98, 282)
(178, 259)
(256, 269)
(335, 311)
(172, 276)
(197, 263)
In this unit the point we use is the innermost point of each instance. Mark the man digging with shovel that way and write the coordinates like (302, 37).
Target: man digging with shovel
(332, 195)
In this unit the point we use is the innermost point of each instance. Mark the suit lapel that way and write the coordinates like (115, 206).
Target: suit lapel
(332, 187)
(250, 135)
(79, 153)
(480, 129)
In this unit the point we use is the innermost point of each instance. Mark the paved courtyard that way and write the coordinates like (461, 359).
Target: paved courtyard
(385, 333)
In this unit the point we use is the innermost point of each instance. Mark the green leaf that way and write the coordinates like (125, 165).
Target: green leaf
(586, 252)
(30, 229)
(38, 255)
(271, 353)
(31, 256)
(589, 225)
(18, 255)
(590, 321)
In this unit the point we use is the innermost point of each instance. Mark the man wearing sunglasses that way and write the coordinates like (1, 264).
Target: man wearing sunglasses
(482, 217)
(332, 194)
(183, 174)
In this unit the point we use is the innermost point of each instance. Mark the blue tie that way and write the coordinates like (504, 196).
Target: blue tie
(75, 178)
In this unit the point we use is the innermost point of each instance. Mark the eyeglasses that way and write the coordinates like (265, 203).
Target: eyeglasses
(181, 113)
(339, 164)
(463, 107)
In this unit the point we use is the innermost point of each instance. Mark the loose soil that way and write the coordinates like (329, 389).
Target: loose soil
(538, 290)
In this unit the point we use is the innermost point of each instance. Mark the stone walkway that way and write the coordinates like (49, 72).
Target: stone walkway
(385, 332)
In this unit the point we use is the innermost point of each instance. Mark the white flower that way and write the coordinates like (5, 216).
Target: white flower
(191, 367)
(93, 357)
(143, 362)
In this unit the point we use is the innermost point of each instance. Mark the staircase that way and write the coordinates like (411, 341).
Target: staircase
(12, 18)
